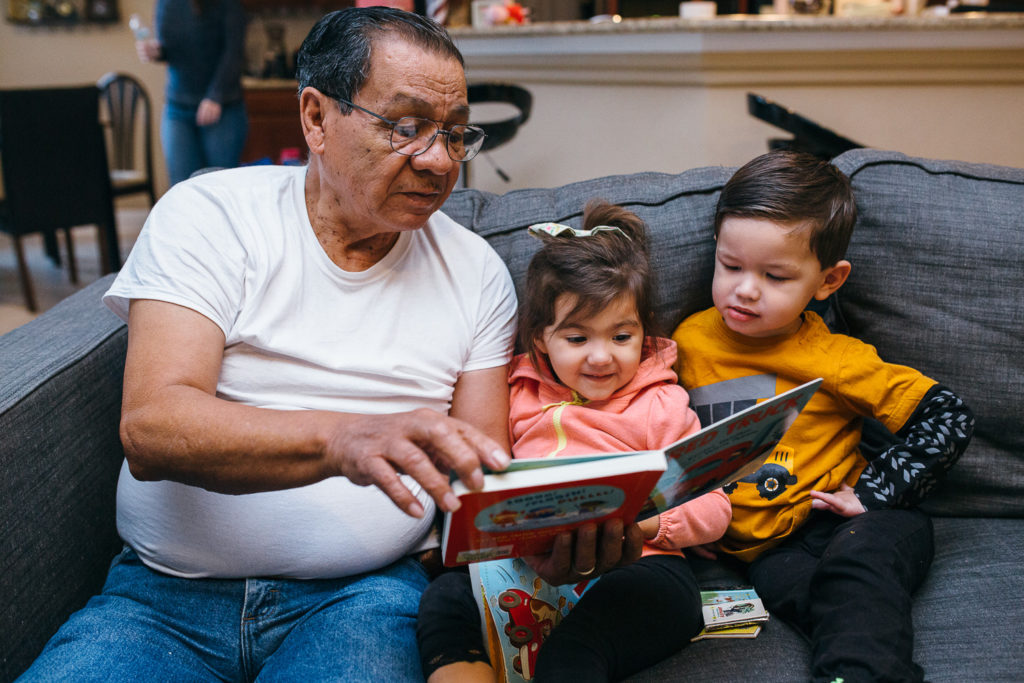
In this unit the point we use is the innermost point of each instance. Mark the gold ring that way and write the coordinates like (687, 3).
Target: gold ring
(586, 573)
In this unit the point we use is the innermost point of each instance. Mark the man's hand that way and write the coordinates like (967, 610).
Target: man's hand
(208, 113)
(375, 449)
(589, 556)
(843, 502)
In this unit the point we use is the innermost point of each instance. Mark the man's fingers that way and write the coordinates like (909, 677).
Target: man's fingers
(419, 466)
(584, 559)
(386, 479)
(633, 547)
(462, 448)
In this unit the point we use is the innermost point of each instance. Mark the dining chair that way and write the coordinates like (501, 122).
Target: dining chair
(126, 112)
(55, 174)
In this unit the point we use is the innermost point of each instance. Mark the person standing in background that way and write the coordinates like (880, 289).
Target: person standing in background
(204, 122)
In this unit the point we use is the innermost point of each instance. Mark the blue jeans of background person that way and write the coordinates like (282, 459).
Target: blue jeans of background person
(189, 147)
(846, 583)
(148, 626)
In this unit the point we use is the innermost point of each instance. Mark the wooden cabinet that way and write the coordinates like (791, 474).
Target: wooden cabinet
(273, 109)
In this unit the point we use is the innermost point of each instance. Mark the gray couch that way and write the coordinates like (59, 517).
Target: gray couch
(938, 283)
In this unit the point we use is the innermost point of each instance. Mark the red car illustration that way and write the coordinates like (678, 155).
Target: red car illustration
(529, 622)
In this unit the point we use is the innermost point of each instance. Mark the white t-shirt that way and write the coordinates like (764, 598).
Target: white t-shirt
(301, 333)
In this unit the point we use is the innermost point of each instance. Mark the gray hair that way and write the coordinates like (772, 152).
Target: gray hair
(335, 56)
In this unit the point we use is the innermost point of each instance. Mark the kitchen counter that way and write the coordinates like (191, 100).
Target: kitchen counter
(677, 44)
(667, 94)
(971, 21)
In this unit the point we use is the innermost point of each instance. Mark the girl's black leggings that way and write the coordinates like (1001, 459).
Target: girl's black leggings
(632, 618)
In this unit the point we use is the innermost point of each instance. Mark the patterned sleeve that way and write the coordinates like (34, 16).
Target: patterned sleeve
(925, 448)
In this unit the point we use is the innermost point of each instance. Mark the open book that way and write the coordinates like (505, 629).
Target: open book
(521, 510)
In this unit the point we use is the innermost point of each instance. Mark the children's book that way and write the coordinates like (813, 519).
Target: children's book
(518, 610)
(520, 511)
(750, 631)
(733, 613)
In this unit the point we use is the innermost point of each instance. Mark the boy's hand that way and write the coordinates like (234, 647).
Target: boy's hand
(707, 551)
(843, 502)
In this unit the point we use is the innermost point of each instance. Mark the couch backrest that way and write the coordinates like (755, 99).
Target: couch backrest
(938, 284)
(60, 404)
(678, 210)
(937, 281)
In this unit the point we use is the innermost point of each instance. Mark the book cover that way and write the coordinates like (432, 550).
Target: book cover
(519, 610)
(731, 609)
(521, 510)
(750, 631)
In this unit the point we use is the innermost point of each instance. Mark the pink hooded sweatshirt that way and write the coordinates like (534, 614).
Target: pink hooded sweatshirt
(652, 411)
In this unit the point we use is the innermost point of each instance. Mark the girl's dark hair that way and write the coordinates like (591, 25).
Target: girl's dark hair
(794, 187)
(596, 269)
(335, 56)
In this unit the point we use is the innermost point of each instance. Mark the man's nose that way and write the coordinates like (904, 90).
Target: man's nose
(435, 159)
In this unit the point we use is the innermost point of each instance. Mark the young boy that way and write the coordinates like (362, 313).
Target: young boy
(833, 542)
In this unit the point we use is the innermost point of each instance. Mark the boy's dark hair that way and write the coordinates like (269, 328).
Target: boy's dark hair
(596, 270)
(335, 56)
(794, 187)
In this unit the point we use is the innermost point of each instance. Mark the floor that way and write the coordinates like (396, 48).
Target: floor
(51, 282)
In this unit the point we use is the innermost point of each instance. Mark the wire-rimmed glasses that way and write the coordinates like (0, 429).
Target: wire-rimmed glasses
(412, 135)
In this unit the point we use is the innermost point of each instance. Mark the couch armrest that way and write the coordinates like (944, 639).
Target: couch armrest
(60, 453)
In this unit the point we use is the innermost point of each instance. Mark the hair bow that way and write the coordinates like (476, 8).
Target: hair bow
(555, 229)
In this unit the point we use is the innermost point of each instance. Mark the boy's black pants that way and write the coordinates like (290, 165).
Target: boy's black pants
(846, 583)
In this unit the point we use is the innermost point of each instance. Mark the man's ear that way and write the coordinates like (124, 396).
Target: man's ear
(834, 278)
(312, 111)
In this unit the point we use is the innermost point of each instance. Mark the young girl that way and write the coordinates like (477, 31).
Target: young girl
(594, 379)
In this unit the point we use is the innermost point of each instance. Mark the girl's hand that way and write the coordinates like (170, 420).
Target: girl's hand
(843, 502)
(649, 527)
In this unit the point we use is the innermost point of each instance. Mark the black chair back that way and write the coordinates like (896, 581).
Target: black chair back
(54, 163)
(126, 113)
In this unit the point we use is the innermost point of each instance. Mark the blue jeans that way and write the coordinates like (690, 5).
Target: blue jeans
(188, 147)
(148, 626)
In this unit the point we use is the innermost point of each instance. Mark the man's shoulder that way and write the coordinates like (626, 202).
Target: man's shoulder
(245, 177)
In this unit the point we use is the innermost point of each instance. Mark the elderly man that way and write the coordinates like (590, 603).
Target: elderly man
(295, 335)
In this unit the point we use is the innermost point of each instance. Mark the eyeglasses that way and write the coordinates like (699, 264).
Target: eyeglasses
(412, 135)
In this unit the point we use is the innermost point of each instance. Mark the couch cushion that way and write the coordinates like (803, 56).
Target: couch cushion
(678, 209)
(938, 284)
(973, 586)
(60, 403)
(966, 612)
